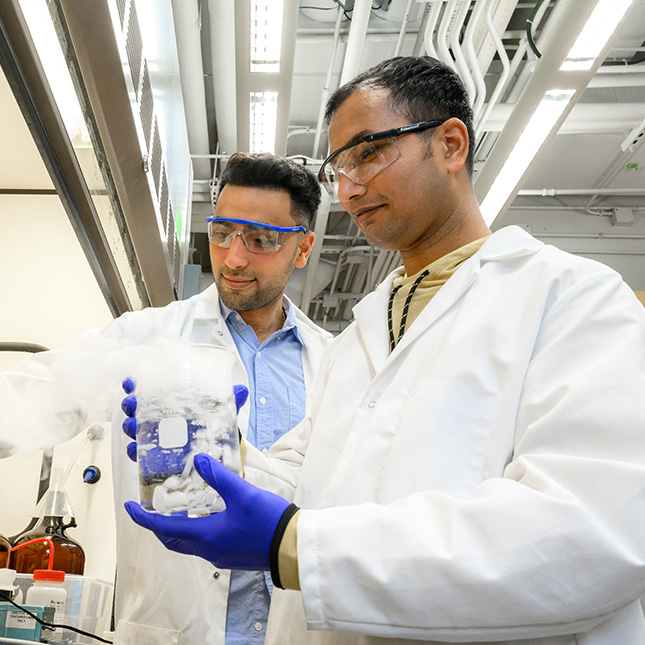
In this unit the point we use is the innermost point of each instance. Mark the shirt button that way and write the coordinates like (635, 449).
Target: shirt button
(220, 332)
(259, 354)
(371, 404)
(258, 627)
(265, 451)
(216, 575)
(262, 400)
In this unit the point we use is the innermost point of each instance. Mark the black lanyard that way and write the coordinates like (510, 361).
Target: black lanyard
(404, 315)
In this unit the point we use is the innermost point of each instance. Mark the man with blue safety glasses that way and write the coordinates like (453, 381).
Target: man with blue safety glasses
(259, 233)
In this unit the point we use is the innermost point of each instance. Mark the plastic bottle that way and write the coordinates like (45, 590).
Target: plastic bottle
(4, 551)
(48, 591)
(52, 510)
(7, 587)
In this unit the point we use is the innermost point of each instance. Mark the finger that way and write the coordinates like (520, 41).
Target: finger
(218, 476)
(163, 526)
(129, 405)
(128, 384)
(130, 427)
(241, 393)
(131, 450)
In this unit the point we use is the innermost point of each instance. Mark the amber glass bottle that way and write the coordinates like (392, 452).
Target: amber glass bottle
(68, 554)
(4, 551)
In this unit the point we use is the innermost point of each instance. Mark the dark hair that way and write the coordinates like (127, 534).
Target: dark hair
(276, 173)
(422, 89)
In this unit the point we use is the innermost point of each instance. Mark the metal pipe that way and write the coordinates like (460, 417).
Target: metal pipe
(443, 31)
(222, 32)
(505, 69)
(460, 59)
(187, 23)
(555, 192)
(428, 40)
(418, 43)
(469, 45)
(356, 40)
(404, 28)
(325, 92)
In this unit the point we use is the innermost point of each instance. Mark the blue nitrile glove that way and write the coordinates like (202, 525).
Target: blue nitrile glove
(129, 406)
(238, 537)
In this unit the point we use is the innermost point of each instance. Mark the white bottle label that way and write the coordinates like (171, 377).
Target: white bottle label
(20, 620)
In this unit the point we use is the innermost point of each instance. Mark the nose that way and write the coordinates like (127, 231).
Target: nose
(348, 188)
(237, 255)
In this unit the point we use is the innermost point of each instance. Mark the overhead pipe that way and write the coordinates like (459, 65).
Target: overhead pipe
(187, 21)
(325, 92)
(404, 28)
(443, 31)
(418, 43)
(460, 60)
(433, 19)
(222, 39)
(504, 75)
(471, 55)
(356, 40)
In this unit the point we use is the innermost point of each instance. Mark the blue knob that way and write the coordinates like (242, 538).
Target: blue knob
(91, 474)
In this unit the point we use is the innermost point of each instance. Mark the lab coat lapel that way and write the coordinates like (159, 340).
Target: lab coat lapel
(370, 314)
(508, 244)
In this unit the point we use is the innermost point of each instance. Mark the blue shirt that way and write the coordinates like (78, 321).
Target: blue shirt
(277, 399)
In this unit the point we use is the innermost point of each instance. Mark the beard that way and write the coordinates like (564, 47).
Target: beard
(251, 299)
(256, 296)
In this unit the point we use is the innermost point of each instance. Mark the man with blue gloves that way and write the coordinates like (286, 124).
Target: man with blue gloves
(259, 232)
(471, 466)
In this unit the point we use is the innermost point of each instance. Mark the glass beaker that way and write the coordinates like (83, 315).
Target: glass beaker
(185, 405)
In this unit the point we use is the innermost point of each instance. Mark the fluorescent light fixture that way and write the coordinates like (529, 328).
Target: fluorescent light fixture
(53, 61)
(266, 35)
(529, 143)
(594, 35)
(264, 114)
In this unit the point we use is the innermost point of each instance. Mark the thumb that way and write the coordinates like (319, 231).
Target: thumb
(241, 393)
(218, 476)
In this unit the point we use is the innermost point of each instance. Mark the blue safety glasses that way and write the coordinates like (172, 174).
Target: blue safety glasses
(256, 236)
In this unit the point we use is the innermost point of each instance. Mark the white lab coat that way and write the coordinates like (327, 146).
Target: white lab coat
(486, 481)
(162, 597)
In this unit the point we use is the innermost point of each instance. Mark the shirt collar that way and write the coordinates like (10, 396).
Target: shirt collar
(290, 324)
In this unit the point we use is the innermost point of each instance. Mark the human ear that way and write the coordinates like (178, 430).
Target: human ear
(455, 144)
(304, 249)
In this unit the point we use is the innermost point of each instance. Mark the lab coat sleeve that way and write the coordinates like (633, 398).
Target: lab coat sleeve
(50, 397)
(554, 546)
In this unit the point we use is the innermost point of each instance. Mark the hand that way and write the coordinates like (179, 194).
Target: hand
(129, 406)
(238, 537)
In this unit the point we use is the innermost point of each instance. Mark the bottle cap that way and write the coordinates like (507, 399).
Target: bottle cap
(49, 575)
